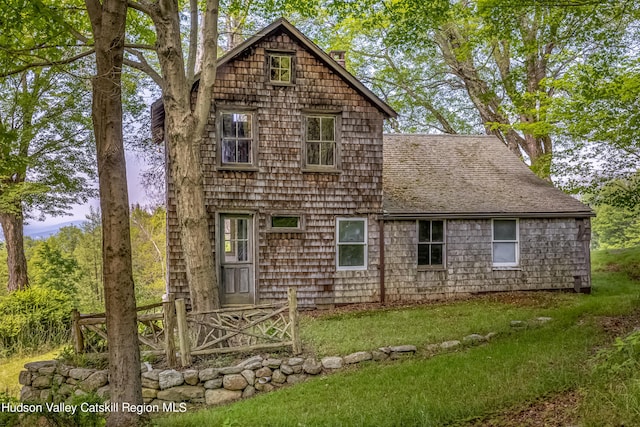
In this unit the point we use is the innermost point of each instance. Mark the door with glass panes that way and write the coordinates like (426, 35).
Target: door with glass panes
(236, 260)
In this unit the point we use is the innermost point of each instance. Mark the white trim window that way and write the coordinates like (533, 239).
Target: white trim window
(431, 243)
(351, 243)
(505, 242)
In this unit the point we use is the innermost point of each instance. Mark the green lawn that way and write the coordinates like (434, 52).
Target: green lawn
(11, 367)
(517, 367)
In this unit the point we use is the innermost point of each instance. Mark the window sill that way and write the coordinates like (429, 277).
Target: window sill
(506, 268)
(312, 169)
(241, 168)
(282, 84)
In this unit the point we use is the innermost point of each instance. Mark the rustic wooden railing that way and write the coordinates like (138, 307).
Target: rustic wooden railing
(228, 330)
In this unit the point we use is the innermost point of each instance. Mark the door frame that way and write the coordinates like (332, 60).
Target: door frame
(219, 241)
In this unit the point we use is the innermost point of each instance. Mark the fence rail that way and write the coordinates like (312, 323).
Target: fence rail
(227, 330)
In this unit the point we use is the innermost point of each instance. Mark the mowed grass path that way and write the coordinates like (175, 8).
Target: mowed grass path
(10, 369)
(515, 368)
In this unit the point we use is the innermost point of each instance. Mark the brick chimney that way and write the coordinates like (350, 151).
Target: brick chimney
(338, 56)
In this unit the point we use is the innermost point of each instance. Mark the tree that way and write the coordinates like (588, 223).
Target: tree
(185, 128)
(108, 21)
(501, 55)
(46, 154)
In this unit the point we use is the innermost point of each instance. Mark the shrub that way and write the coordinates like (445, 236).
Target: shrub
(32, 318)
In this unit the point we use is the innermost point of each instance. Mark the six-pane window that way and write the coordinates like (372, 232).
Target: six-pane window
(505, 242)
(280, 68)
(321, 140)
(431, 243)
(351, 237)
(237, 138)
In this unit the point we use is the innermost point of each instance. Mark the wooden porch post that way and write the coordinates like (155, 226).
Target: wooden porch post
(168, 311)
(293, 316)
(183, 332)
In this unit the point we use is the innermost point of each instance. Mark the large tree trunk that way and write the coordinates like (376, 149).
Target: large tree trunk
(185, 134)
(13, 229)
(108, 22)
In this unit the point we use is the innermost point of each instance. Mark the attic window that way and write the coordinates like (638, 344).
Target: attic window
(280, 68)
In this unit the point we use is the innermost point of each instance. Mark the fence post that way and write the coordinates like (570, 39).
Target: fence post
(78, 339)
(293, 316)
(183, 333)
(169, 313)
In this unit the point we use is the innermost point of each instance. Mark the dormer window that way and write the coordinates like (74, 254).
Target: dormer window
(280, 67)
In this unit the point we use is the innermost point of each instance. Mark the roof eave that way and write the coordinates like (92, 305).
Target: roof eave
(486, 215)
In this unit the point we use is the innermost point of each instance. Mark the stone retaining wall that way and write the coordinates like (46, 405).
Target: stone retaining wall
(54, 381)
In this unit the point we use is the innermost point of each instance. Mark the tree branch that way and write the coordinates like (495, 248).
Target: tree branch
(46, 64)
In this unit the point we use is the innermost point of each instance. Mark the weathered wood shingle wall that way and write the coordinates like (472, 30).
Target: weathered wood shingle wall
(307, 259)
(552, 255)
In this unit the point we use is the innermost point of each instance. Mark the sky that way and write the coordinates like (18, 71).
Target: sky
(79, 212)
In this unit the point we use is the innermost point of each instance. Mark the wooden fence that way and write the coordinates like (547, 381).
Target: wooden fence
(227, 330)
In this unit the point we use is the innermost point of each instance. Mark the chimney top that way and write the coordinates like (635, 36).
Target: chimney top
(338, 56)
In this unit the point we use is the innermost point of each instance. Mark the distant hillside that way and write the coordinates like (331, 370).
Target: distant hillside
(40, 230)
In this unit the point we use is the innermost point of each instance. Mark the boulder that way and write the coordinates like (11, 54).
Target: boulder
(378, 355)
(234, 382)
(214, 383)
(278, 377)
(266, 387)
(518, 324)
(294, 361)
(403, 349)
(357, 357)
(80, 374)
(473, 339)
(35, 366)
(153, 374)
(208, 374)
(94, 381)
(47, 370)
(286, 369)
(42, 381)
(249, 375)
(220, 396)
(332, 362)
(149, 383)
(170, 378)
(104, 392)
(229, 370)
(263, 372)
(24, 378)
(272, 363)
(249, 391)
(181, 393)
(251, 363)
(190, 377)
(29, 394)
(149, 393)
(311, 366)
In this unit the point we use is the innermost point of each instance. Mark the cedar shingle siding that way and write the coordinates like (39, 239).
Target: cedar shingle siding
(464, 181)
(306, 259)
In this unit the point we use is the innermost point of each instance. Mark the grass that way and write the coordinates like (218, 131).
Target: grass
(513, 370)
(10, 369)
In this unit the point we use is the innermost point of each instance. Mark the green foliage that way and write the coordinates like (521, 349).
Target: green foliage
(32, 318)
(616, 228)
(8, 419)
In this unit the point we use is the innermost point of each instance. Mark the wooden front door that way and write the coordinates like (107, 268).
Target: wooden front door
(236, 262)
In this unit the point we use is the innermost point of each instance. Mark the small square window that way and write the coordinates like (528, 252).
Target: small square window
(280, 68)
(431, 244)
(505, 242)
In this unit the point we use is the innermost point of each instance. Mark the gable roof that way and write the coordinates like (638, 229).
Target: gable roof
(279, 25)
(466, 176)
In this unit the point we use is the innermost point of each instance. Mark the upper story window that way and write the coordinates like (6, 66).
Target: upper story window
(237, 142)
(280, 67)
(431, 244)
(505, 241)
(320, 141)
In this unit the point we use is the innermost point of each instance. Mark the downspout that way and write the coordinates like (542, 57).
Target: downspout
(381, 268)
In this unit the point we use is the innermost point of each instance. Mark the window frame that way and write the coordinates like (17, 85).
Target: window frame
(299, 229)
(292, 73)
(365, 245)
(253, 150)
(337, 136)
(431, 242)
(516, 242)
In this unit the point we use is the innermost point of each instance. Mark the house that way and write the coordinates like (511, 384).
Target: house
(303, 190)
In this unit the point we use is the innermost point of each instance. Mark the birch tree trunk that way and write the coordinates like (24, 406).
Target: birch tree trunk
(108, 22)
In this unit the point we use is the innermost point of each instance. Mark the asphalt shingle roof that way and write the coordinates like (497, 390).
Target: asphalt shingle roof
(453, 175)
